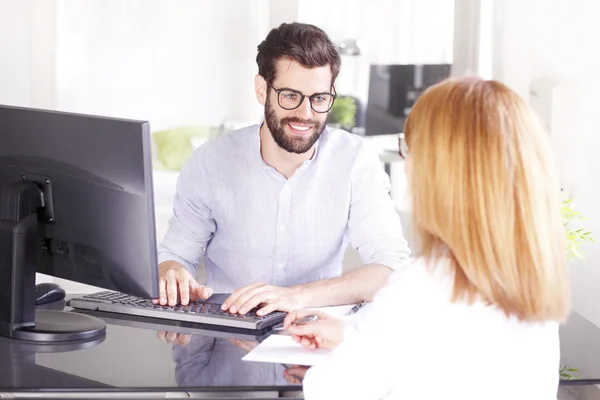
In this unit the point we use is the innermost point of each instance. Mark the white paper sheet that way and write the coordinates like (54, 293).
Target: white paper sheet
(282, 349)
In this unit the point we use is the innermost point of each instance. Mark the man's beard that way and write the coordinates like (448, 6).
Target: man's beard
(291, 144)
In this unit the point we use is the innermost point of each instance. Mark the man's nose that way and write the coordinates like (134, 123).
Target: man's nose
(304, 110)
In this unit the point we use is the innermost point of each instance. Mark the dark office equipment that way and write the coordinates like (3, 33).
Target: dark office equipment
(182, 327)
(48, 293)
(393, 89)
(76, 202)
(205, 312)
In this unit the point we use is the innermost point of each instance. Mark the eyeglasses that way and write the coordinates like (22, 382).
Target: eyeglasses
(402, 146)
(290, 99)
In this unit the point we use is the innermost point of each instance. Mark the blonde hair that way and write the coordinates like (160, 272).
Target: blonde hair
(483, 178)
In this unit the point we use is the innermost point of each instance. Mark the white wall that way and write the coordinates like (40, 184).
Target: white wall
(174, 63)
(15, 56)
(388, 32)
(467, 32)
(27, 44)
(558, 40)
(192, 62)
(43, 54)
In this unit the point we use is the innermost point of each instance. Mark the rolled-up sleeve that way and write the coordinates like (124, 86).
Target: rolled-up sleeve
(191, 226)
(374, 227)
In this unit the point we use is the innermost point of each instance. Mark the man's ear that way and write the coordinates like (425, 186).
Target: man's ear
(260, 87)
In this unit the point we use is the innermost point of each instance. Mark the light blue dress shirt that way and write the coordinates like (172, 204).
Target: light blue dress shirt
(251, 224)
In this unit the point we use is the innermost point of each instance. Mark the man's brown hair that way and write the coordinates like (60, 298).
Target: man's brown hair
(304, 43)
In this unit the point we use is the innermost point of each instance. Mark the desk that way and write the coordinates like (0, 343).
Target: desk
(132, 362)
(580, 348)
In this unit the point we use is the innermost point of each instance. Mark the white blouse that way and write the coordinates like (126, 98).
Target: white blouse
(412, 342)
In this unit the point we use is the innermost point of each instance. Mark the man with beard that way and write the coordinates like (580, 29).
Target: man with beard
(271, 208)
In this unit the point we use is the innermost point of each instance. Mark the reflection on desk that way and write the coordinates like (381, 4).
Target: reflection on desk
(208, 361)
(132, 358)
(18, 367)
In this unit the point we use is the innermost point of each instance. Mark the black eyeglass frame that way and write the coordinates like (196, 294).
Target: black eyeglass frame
(302, 96)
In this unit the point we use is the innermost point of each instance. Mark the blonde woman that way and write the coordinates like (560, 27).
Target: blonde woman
(476, 314)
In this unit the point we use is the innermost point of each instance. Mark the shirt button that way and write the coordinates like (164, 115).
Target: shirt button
(281, 227)
(281, 265)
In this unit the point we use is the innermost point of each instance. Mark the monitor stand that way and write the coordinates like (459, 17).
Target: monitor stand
(25, 208)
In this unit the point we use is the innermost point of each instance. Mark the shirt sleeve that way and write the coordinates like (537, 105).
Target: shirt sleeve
(374, 227)
(350, 372)
(192, 225)
(364, 365)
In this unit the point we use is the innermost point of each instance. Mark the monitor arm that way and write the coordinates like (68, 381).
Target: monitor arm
(25, 208)
(19, 204)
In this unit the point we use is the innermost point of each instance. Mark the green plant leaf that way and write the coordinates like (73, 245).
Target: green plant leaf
(575, 233)
(343, 112)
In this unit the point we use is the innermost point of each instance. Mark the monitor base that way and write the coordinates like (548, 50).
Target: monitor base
(60, 326)
(26, 208)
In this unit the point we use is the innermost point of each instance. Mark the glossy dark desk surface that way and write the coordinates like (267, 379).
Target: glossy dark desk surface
(132, 357)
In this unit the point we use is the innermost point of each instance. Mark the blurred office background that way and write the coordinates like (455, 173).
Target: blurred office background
(187, 66)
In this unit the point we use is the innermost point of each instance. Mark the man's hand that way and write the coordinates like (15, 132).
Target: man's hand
(325, 333)
(245, 345)
(176, 284)
(171, 337)
(272, 298)
(295, 374)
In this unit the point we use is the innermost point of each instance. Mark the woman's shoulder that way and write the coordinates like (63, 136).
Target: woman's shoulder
(419, 278)
(427, 288)
(419, 289)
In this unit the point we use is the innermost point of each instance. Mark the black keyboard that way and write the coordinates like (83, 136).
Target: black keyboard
(198, 312)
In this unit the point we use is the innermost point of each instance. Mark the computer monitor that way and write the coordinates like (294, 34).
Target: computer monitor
(393, 90)
(76, 202)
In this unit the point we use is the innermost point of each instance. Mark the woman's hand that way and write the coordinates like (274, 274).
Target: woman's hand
(325, 333)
